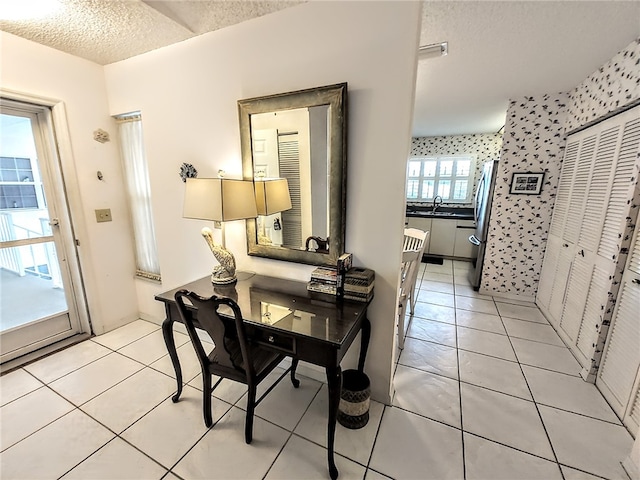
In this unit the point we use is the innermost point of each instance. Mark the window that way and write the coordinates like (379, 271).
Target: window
(17, 185)
(139, 192)
(449, 177)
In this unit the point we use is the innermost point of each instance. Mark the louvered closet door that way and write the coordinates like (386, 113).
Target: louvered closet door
(618, 375)
(587, 287)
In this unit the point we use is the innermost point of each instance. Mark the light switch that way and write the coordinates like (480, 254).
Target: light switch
(103, 215)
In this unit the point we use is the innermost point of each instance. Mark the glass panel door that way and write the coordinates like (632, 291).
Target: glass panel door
(35, 306)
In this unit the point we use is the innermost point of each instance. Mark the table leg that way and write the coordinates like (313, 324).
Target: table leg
(364, 345)
(167, 333)
(334, 381)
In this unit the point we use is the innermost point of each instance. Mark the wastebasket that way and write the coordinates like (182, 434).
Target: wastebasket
(353, 411)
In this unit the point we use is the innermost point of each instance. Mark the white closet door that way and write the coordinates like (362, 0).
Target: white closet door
(632, 418)
(621, 358)
(564, 187)
(545, 286)
(575, 211)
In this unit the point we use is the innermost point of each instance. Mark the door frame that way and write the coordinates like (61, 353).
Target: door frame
(66, 196)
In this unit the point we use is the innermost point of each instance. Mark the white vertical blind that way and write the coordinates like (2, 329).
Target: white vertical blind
(137, 181)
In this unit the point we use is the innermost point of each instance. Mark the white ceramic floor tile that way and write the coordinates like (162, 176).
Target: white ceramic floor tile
(412, 447)
(488, 460)
(436, 298)
(504, 419)
(61, 363)
(117, 460)
(468, 291)
(125, 403)
(431, 286)
(587, 444)
(228, 390)
(55, 449)
(152, 347)
(436, 332)
(426, 394)
(476, 305)
(430, 357)
(573, 474)
(551, 357)
(93, 379)
(462, 279)
(515, 301)
(480, 321)
(438, 313)
(301, 459)
(493, 373)
(171, 429)
(438, 277)
(354, 444)
(285, 405)
(224, 451)
(531, 314)
(568, 393)
(189, 363)
(373, 475)
(29, 413)
(487, 343)
(126, 334)
(16, 384)
(537, 332)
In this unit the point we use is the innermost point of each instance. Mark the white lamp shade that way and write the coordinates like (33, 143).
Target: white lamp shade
(272, 196)
(219, 199)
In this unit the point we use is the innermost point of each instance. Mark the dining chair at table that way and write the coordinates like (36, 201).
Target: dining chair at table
(233, 355)
(414, 239)
(410, 262)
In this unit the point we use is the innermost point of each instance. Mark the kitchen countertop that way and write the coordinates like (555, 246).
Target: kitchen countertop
(453, 213)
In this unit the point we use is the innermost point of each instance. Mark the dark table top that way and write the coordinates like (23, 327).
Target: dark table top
(281, 305)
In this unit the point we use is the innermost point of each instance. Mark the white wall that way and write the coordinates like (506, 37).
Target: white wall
(187, 94)
(105, 249)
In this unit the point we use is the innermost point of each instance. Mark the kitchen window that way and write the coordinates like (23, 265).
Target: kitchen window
(450, 177)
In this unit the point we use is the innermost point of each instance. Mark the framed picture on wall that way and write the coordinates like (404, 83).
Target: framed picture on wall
(527, 183)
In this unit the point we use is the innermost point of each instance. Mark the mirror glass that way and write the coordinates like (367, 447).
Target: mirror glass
(300, 137)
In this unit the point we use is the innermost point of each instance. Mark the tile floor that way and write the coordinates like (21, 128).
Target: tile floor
(484, 390)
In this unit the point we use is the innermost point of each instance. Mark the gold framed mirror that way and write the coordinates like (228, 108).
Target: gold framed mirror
(301, 137)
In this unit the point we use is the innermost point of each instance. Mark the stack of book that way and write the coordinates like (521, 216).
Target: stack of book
(358, 284)
(324, 280)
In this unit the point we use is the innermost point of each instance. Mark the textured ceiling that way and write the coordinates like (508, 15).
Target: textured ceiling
(497, 49)
(507, 49)
(106, 31)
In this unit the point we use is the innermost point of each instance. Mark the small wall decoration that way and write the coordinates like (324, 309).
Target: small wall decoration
(187, 171)
(526, 183)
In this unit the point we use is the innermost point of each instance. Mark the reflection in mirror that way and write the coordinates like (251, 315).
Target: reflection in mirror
(297, 139)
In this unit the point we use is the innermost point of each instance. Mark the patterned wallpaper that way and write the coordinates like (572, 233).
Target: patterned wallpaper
(615, 84)
(484, 146)
(534, 140)
(519, 224)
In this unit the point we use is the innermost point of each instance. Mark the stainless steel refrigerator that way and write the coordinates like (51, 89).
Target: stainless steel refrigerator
(481, 211)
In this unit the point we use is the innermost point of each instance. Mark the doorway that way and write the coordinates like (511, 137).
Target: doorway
(41, 295)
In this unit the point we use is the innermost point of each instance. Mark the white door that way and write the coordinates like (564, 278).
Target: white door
(37, 297)
(618, 376)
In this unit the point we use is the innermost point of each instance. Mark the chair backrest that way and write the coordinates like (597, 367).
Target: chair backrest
(414, 239)
(407, 267)
(229, 337)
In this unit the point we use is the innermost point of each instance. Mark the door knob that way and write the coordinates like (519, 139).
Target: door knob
(54, 222)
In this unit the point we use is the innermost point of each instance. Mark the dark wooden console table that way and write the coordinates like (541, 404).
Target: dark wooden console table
(280, 315)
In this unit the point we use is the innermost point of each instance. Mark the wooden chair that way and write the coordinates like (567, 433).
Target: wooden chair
(414, 239)
(233, 356)
(410, 262)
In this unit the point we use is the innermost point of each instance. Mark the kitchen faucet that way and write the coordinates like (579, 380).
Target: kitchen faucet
(436, 203)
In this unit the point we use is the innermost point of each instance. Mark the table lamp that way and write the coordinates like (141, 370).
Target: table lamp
(272, 196)
(220, 200)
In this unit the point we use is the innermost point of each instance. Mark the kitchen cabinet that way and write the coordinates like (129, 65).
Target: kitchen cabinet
(423, 224)
(462, 247)
(448, 237)
(443, 234)
(587, 235)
